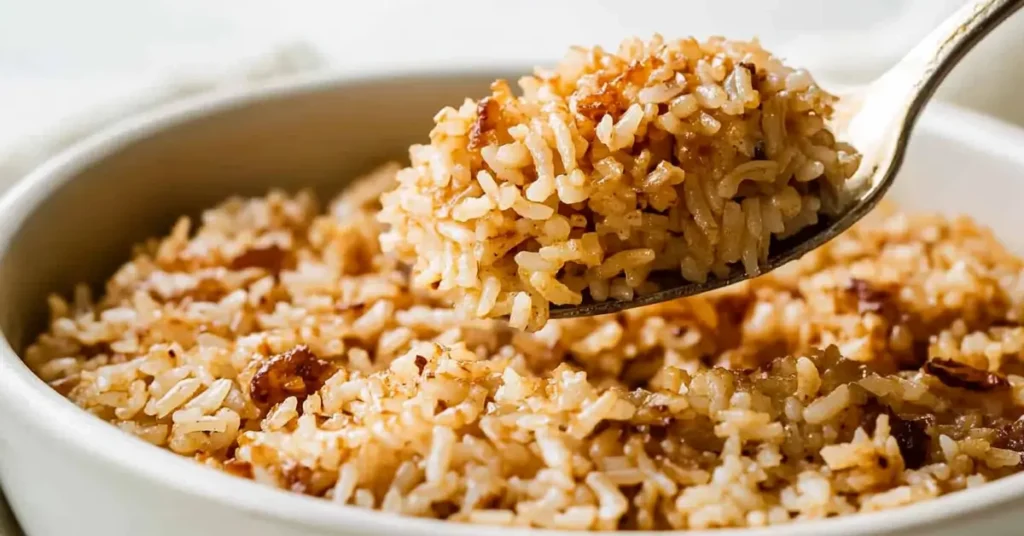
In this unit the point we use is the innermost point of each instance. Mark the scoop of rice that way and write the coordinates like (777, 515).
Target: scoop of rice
(667, 155)
(284, 346)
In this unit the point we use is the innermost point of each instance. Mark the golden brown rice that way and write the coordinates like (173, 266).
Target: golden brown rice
(284, 346)
(678, 155)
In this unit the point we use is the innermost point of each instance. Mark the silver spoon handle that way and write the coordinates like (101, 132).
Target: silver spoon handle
(931, 60)
(898, 96)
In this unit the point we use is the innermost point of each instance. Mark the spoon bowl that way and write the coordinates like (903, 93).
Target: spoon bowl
(878, 120)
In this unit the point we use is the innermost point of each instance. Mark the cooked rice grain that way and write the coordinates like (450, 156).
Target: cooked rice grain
(320, 370)
(695, 153)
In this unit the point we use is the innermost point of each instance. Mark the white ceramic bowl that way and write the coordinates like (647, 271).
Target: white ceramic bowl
(66, 472)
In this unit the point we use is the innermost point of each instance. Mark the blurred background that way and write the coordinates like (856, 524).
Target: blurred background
(64, 62)
(68, 67)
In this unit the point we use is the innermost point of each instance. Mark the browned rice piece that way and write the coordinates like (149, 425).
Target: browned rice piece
(313, 367)
(677, 155)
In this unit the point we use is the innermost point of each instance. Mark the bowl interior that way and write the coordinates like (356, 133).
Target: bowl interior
(134, 185)
(119, 189)
(76, 219)
(963, 164)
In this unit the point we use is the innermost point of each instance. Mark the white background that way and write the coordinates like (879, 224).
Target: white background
(59, 59)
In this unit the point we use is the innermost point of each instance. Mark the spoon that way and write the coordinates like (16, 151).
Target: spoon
(877, 119)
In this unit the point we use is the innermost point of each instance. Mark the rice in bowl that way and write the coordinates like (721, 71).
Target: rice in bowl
(281, 344)
(679, 156)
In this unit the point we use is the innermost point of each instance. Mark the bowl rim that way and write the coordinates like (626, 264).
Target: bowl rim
(23, 395)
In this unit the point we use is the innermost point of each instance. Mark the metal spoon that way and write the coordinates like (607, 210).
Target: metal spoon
(877, 119)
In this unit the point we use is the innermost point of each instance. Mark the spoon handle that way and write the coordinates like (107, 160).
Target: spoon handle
(930, 61)
(878, 119)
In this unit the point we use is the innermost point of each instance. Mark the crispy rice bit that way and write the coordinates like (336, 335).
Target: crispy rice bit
(297, 372)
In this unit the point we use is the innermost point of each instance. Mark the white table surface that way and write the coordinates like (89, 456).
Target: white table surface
(66, 65)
